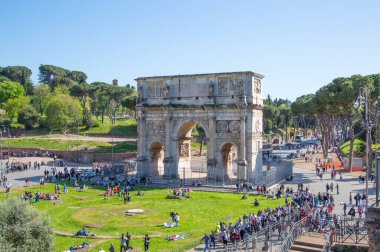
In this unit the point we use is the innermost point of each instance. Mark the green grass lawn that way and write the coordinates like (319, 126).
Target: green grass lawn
(198, 214)
(359, 147)
(198, 145)
(121, 127)
(64, 145)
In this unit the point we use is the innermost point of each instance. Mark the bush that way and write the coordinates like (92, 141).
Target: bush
(28, 116)
(96, 124)
(87, 119)
(5, 122)
(23, 228)
(42, 123)
(61, 110)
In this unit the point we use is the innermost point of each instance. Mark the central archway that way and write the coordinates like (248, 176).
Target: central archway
(192, 151)
(229, 161)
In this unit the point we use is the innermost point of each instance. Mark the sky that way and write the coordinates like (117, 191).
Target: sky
(298, 46)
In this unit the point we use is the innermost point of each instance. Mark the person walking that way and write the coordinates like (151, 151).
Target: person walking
(245, 239)
(128, 240)
(112, 248)
(344, 208)
(146, 242)
(213, 239)
(125, 197)
(337, 188)
(207, 240)
(122, 243)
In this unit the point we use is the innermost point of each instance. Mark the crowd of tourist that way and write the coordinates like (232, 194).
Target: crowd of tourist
(28, 196)
(19, 166)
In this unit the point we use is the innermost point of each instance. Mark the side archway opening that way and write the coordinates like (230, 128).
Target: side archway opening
(156, 156)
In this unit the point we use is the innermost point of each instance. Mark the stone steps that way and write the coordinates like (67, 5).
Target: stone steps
(311, 241)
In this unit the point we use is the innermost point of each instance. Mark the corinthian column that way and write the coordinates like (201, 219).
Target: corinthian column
(242, 153)
(168, 157)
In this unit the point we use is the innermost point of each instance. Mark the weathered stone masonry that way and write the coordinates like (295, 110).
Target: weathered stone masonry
(227, 105)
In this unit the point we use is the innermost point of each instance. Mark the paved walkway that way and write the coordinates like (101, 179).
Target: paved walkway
(305, 173)
(17, 179)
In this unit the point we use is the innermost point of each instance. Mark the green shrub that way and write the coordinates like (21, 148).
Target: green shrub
(42, 123)
(96, 124)
(23, 228)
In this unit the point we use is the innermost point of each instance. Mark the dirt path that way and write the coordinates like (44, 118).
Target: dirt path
(82, 138)
(107, 237)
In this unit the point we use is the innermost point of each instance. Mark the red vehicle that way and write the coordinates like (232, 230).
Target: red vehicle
(4, 154)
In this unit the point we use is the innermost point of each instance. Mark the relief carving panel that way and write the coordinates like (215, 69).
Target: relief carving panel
(234, 127)
(258, 126)
(184, 150)
(157, 89)
(257, 86)
(155, 128)
(228, 135)
(227, 126)
(222, 86)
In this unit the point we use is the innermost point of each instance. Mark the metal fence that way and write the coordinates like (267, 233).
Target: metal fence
(277, 172)
(267, 238)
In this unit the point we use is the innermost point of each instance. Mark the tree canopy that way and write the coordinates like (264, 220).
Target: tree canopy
(9, 90)
(23, 228)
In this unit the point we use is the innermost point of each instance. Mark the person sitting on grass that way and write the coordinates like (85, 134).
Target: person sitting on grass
(106, 195)
(139, 193)
(256, 203)
(172, 215)
(244, 197)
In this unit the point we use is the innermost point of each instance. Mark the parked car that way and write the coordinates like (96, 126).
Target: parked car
(293, 155)
(298, 138)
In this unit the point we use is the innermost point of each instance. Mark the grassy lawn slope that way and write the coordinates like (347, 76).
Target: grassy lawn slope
(198, 214)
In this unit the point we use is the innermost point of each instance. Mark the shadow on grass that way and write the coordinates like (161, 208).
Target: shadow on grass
(117, 148)
(35, 179)
(123, 129)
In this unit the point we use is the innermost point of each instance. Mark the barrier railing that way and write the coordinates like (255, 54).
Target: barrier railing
(297, 230)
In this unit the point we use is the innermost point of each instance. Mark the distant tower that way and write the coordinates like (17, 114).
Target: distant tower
(115, 82)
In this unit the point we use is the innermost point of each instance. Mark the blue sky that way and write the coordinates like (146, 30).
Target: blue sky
(298, 45)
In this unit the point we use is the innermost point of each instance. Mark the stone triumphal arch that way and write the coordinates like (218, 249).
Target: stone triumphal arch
(228, 106)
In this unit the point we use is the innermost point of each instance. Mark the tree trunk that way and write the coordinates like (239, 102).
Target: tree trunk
(286, 133)
(324, 122)
(304, 126)
(295, 128)
(352, 139)
(369, 161)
